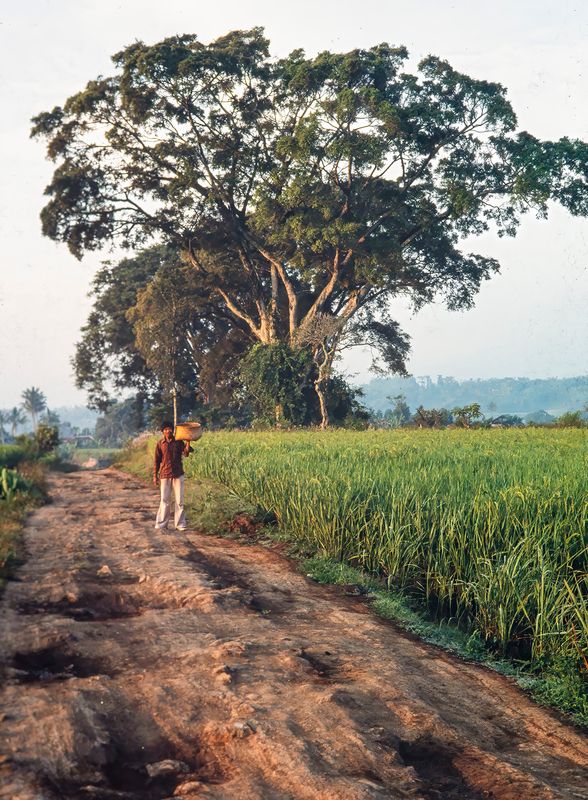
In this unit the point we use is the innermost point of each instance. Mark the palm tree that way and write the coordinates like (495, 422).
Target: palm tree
(34, 402)
(16, 417)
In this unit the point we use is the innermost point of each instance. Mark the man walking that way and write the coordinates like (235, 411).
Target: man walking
(168, 469)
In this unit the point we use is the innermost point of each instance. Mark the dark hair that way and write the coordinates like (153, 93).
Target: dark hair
(167, 424)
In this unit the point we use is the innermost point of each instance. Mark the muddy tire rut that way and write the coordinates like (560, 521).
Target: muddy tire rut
(196, 667)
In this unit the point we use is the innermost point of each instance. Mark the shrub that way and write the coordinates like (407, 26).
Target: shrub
(571, 419)
(11, 455)
(46, 439)
(11, 482)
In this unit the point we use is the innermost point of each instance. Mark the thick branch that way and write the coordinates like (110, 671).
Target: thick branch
(329, 287)
(288, 286)
(257, 331)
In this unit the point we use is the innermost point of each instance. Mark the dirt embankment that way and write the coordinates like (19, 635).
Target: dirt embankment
(196, 667)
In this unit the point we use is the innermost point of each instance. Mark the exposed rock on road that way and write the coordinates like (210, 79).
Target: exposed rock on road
(196, 667)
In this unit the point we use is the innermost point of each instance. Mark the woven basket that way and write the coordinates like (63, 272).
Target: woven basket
(188, 431)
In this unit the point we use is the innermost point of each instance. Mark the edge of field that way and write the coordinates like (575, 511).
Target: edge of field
(220, 512)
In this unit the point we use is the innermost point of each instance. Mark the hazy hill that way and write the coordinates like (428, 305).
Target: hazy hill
(78, 416)
(495, 395)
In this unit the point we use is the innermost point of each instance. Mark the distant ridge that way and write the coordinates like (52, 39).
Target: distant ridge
(78, 416)
(495, 395)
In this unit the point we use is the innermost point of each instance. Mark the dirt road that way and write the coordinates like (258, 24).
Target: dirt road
(198, 667)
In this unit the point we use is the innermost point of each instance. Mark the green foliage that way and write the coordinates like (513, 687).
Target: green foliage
(179, 332)
(106, 357)
(431, 417)
(11, 455)
(46, 438)
(10, 483)
(15, 417)
(34, 402)
(399, 414)
(278, 386)
(277, 381)
(152, 324)
(20, 490)
(344, 403)
(120, 422)
(571, 419)
(465, 416)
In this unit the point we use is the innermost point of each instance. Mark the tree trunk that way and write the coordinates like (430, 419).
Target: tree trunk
(175, 402)
(318, 387)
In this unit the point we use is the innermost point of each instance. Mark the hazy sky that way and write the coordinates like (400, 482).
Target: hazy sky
(530, 320)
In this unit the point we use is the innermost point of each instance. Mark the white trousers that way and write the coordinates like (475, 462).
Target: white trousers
(164, 512)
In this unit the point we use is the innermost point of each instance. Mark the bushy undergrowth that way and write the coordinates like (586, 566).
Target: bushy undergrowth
(12, 454)
(11, 484)
(22, 487)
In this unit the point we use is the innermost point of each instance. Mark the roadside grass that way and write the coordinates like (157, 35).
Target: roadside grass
(13, 513)
(11, 455)
(12, 516)
(212, 508)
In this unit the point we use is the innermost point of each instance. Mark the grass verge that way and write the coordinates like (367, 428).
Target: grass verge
(213, 508)
(13, 514)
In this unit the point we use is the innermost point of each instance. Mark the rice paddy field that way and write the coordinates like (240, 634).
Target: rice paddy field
(486, 527)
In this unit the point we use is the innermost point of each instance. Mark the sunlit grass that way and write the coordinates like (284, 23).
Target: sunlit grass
(489, 528)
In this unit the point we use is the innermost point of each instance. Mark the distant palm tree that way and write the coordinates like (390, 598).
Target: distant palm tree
(34, 402)
(3, 422)
(16, 417)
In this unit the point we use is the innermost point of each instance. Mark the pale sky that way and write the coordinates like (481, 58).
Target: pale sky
(529, 321)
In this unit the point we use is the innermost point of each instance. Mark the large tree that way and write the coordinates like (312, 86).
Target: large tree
(301, 188)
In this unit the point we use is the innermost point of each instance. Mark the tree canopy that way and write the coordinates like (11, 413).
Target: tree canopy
(301, 187)
(152, 327)
(106, 356)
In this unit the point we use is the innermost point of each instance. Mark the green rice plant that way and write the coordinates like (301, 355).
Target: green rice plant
(489, 527)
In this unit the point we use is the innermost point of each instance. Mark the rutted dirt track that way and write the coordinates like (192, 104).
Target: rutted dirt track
(205, 668)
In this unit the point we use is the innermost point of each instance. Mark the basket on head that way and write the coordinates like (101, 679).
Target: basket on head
(188, 431)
